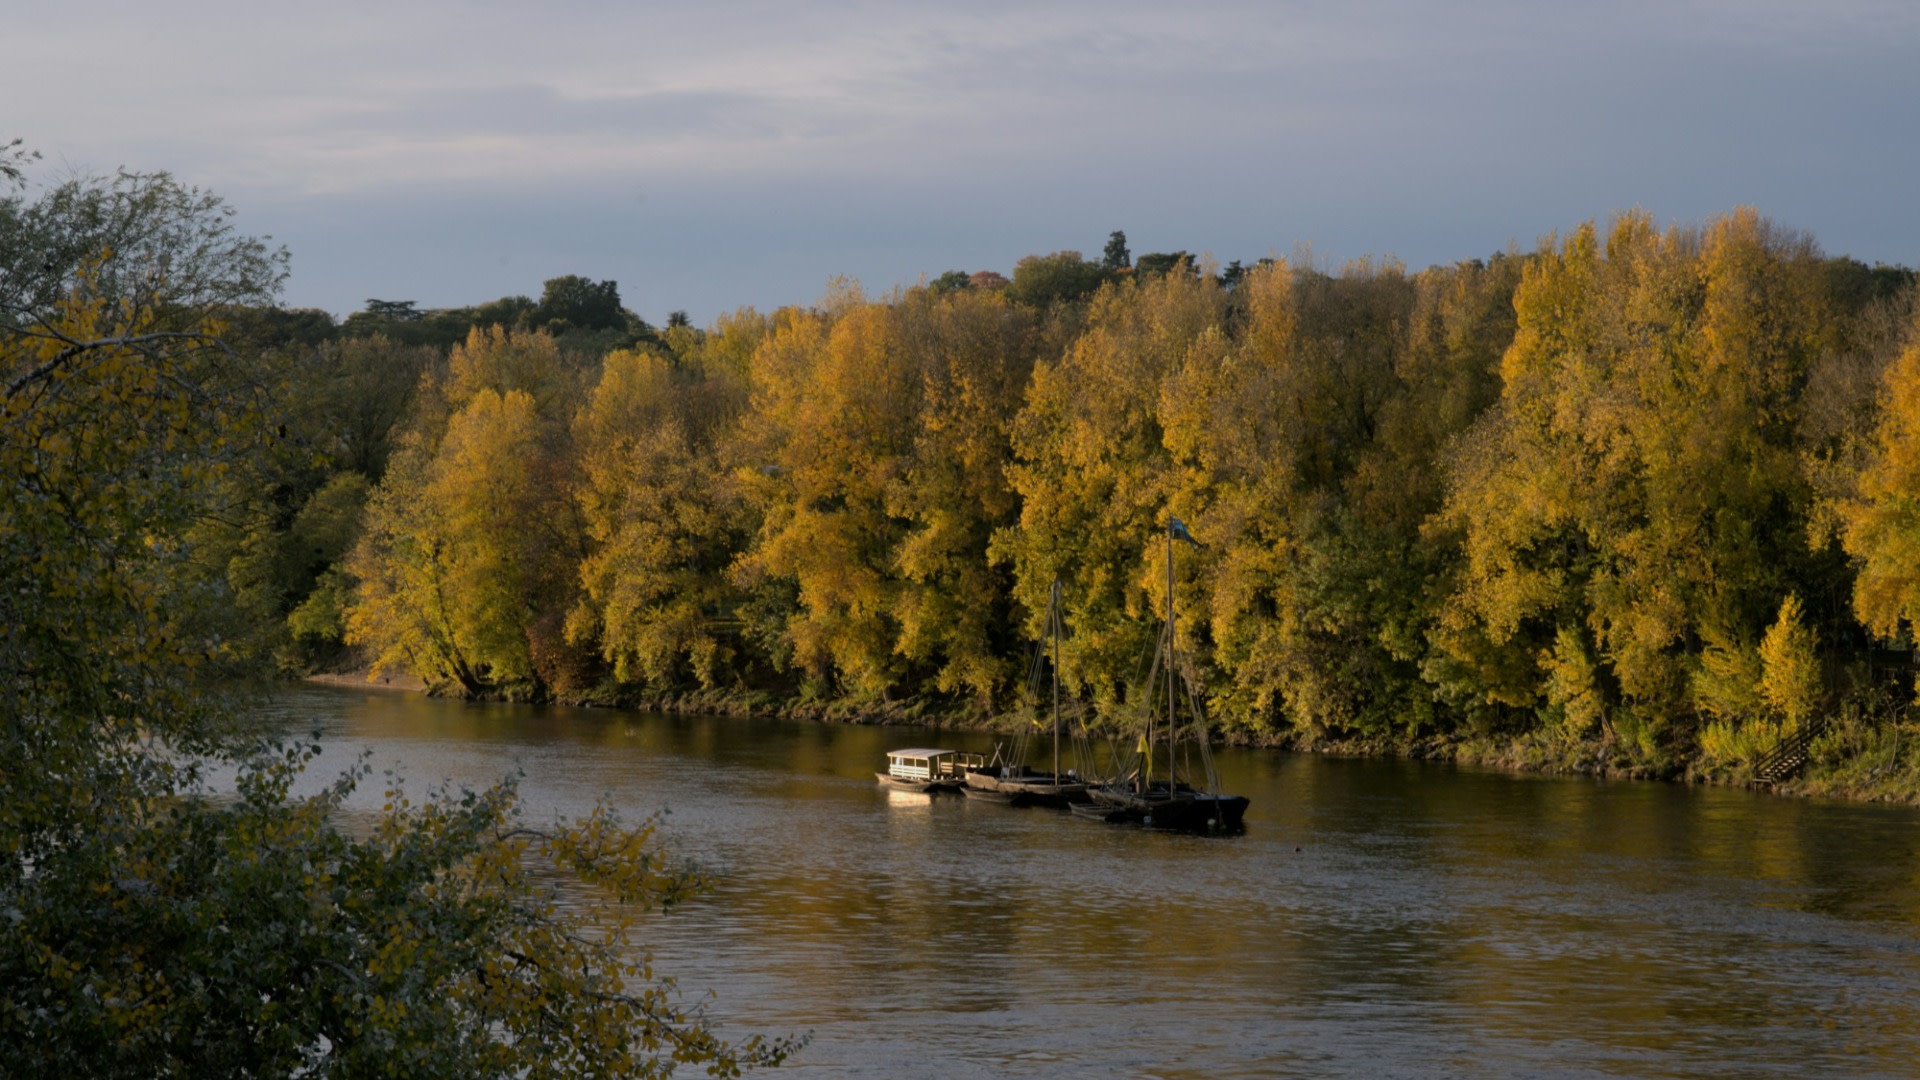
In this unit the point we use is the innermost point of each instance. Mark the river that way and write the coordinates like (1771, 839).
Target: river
(1376, 918)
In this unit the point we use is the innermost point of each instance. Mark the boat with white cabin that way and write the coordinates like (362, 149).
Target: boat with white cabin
(929, 769)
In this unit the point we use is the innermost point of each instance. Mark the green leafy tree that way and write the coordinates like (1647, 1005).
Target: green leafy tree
(513, 312)
(1042, 281)
(950, 281)
(347, 400)
(579, 303)
(155, 930)
(293, 513)
(1157, 263)
(251, 936)
(396, 310)
(321, 536)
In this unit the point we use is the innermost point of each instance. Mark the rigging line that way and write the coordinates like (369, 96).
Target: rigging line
(1153, 675)
(1201, 737)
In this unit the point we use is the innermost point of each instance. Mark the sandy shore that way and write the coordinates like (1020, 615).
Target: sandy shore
(359, 680)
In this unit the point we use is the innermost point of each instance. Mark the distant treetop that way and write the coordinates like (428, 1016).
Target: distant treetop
(397, 310)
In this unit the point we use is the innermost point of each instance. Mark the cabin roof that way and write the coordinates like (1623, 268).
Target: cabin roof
(916, 752)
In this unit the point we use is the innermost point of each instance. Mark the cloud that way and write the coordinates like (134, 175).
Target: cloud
(888, 139)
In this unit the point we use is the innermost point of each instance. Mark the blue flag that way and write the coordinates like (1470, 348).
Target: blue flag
(1179, 531)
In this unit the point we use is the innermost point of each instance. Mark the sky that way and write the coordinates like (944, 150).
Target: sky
(709, 156)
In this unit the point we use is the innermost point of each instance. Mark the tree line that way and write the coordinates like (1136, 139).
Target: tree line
(1638, 492)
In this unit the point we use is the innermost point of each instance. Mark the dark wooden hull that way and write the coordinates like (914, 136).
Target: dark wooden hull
(1024, 789)
(1095, 811)
(899, 783)
(1184, 809)
(989, 795)
(1224, 813)
(1056, 795)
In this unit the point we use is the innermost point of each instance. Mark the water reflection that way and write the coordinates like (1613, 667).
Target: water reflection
(1375, 918)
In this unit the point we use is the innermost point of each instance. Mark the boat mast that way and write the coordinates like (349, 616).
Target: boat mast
(1053, 628)
(1172, 678)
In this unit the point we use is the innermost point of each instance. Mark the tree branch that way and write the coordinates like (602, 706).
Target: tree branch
(77, 348)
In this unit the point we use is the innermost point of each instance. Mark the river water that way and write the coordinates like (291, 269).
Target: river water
(1376, 918)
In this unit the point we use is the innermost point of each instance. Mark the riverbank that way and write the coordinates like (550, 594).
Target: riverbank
(361, 680)
(1860, 759)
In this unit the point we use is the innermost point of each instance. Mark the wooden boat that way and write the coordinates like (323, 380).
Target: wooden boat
(978, 790)
(920, 769)
(1015, 783)
(1159, 806)
(1169, 801)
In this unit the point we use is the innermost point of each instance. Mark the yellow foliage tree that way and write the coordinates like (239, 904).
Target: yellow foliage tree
(1275, 430)
(1639, 474)
(1572, 685)
(1881, 521)
(1095, 478)
(469, 555)
(1790, 680)
(664, 519)
(974, 352)
(834, 395)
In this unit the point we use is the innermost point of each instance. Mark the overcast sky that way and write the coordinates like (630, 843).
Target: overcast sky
(713, 155)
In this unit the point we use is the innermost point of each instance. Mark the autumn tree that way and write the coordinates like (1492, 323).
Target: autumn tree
(120, 416)
(1448, 374)
(834, 392)
(876, 452)
(1636, 489)
(1277, 430)
(1095, 478)
(974, 354)
(1880, 515)
(664, 513)
(1790, 681)
(469, 559)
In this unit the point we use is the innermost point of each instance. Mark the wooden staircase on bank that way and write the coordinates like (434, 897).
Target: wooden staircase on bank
(1789, 755)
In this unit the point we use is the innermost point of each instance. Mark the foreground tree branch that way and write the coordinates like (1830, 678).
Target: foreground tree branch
(152, 929)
